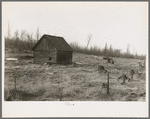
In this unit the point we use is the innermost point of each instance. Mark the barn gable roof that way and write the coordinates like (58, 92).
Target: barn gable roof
(58, 42)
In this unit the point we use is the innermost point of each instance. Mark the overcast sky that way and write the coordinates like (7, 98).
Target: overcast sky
(115, 23)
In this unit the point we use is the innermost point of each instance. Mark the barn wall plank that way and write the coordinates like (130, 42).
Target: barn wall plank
(44, 44)
(64, 57)
(44, 56)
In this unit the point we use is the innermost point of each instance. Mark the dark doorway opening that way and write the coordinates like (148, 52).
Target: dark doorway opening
(50, 58)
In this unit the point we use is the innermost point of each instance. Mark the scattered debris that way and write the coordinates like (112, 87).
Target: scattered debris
(27, 51)
(45, 63)
(48, 63)
(30, 62)
(76, 63)
(143, 94)
(133, 95)
(44, 99)
(123, 83)
(11, 59)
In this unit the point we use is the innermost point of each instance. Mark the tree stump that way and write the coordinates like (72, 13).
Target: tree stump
(112, 61)
(101, 69)
(140, 66)
(104, 85)
(124, 77)
(131, 73)
(108, 60)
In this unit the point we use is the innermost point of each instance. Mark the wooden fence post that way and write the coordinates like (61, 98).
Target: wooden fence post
(14, 76)
(61, 96)
(15, 83)
(108, 83)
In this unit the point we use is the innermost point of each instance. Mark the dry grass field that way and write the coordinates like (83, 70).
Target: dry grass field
(79, 82)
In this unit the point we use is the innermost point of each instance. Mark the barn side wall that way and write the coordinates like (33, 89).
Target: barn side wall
(44, 56)
(64, 57)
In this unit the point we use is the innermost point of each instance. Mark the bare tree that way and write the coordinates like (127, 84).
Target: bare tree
(29, 37)
(105, 51)
(37, 34)
(128, 51)
(136, 53)
(16, 36)
(133, 51)
(29, 40)
(110, 51)
(89, 39)
(118, 52)
(22, 36)
(8, 32)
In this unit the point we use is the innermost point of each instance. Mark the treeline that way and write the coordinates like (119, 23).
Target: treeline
(26, 41)
(111, 52)
(22, 41)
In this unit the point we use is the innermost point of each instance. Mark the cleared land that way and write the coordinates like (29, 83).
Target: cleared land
(80, 82)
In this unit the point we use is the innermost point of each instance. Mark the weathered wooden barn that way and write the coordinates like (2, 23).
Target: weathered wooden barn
(52, 49)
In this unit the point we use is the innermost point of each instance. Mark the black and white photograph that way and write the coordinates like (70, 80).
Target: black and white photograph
(75, 52)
